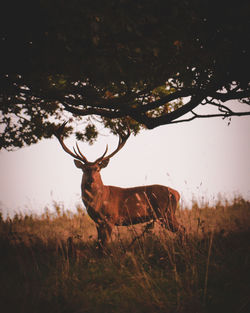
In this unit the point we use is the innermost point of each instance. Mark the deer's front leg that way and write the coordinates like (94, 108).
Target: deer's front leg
(104, 231)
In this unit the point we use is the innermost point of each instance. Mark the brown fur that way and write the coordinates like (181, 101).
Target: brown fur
(111, 206)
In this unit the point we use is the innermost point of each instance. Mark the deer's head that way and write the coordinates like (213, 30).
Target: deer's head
(90, 169)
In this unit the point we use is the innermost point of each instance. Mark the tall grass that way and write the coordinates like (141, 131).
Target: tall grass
(51, 263)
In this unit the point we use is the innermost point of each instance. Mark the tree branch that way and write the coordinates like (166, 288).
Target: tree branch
(156, 104)
(222, 108)
(233, 95)
(92, 111)
(195, 115)
(152, 122)
(139, 114)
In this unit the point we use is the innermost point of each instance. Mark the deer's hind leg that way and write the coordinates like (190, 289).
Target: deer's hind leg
(170, 222)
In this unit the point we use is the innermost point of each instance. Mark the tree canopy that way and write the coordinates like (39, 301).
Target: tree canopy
(143, 63)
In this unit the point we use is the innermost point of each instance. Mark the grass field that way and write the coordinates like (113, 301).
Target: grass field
(50, 263)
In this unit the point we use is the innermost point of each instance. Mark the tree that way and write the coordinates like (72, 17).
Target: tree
(142, 63)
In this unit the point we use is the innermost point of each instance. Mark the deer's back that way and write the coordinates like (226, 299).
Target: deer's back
(140, 203)
(158, 191)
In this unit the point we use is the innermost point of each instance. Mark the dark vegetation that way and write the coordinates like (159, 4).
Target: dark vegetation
(50, 263)
(146, 63)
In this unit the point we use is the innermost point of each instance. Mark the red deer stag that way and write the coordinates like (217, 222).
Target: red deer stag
(111, 206)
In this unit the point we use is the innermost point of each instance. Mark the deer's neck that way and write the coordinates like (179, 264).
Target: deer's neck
(92, 191)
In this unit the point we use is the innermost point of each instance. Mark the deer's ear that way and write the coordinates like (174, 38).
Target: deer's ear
(104, 163)
(78, 164)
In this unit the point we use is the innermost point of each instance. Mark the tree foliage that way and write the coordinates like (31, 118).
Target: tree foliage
(143, 63)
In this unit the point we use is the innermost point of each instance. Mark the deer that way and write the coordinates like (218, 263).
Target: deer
(110, 206)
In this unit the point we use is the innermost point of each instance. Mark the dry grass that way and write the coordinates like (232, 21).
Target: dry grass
(51, 263)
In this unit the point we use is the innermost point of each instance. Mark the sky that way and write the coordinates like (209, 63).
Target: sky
(200, 159)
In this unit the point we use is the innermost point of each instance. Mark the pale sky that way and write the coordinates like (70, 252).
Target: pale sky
(199, 159)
